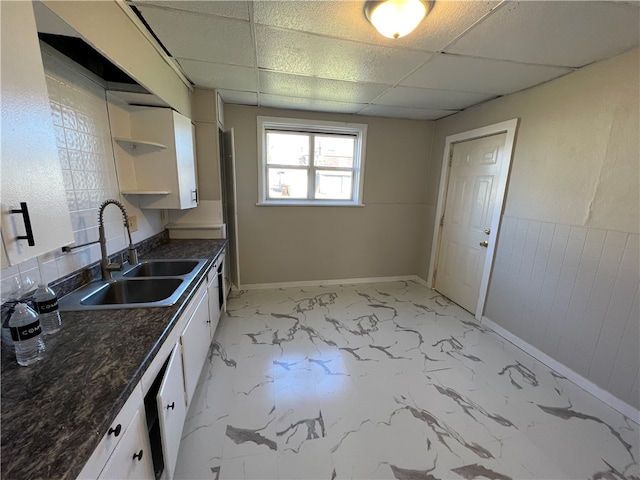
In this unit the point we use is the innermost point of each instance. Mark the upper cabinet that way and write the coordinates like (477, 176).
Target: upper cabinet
(157, 161)
(35, 214)
(208, 117)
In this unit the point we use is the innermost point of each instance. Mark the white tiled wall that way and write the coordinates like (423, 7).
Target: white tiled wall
(81, 121)
(572, 292)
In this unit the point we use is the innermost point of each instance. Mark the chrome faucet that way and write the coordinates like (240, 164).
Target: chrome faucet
(106, 266)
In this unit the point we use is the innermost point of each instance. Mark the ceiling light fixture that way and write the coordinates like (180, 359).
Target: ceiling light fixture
(395, 18)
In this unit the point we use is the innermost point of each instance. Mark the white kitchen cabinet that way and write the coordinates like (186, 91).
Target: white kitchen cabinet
(30, 168)
(195, 341)
(213, 289)
(165, 388)
(172, 410)
(112, 437)
(161, 148)
(131, 459)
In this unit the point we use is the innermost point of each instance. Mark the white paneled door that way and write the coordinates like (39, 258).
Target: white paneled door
(466, 226)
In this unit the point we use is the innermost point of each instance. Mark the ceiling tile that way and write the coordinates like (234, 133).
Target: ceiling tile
(310, 104)
(227, 8)
(405, 112)
(430, 98)
(320, 88)
(470, 74)
(570, 33)
(346, 19)
(239, 98)
(202, 37)
(219, 75)
(312, 55)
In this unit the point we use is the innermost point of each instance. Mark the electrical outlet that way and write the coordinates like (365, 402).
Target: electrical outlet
(133, 223)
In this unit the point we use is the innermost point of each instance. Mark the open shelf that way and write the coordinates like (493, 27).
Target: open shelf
(139, 146)
(145, 192)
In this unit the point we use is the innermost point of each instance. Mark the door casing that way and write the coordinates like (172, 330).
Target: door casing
(509, 127)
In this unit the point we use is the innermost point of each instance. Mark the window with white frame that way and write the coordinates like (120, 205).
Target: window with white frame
(307, 162)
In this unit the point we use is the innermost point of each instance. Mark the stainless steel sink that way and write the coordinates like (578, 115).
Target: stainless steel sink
(152, 283)
(162, 268)
(132, 290)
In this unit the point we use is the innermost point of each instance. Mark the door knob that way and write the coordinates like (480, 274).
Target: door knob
(484, 244)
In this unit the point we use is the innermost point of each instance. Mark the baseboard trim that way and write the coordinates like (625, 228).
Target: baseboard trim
(340, 281)
(620, 405)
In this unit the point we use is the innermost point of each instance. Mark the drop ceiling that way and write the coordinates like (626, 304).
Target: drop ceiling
(325, 55)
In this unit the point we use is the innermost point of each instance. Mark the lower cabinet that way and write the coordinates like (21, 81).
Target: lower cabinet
(195, 341)
(131, 458)
(172, 410)
(144, 438)
(214, 291)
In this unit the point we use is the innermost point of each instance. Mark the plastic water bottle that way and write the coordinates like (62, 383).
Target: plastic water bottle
(46, 303)
(26, 334)
(7, 341)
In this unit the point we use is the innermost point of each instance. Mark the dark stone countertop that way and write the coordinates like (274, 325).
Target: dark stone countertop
(55, 412)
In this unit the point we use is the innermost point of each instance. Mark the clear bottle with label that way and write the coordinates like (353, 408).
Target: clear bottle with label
(15, 289)
(26, 334)
(46, 303)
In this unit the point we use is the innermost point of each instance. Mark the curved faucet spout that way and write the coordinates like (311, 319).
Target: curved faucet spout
(106, 266)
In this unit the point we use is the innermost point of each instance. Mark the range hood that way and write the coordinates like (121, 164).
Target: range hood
(55, 33)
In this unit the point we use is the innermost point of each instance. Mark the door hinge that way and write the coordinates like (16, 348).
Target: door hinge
(442, 221)
(435, 274)
(450, 157)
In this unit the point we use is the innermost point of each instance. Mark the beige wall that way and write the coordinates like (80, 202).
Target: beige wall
(384, 238)
(576, 153)
(566, 274)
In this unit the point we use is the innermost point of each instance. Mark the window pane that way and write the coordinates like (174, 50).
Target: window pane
(287, 183)
(287, 148)
(334, 151)
(333, 185)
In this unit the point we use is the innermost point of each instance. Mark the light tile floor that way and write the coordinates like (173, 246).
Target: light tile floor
(384, 381)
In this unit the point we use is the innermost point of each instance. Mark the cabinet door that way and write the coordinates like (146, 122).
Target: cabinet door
(112, 437)
(172, 169)
(195, 341)
(213, 289)
(172, 410)
(30, 168)
(132, 456)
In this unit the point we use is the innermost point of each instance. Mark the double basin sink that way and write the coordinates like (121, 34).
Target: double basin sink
(151, 283)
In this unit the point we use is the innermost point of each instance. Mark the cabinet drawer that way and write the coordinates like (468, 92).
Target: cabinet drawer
(132, 456)
(172, 410)
(113, 436)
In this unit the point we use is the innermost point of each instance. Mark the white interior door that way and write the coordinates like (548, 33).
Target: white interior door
(472, 189)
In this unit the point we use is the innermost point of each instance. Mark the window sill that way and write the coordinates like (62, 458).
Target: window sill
(307, 203)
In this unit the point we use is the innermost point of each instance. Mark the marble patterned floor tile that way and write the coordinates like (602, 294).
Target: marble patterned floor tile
(388, 381)
(253, 467)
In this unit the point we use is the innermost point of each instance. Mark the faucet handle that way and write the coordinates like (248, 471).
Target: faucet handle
(112, 267)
